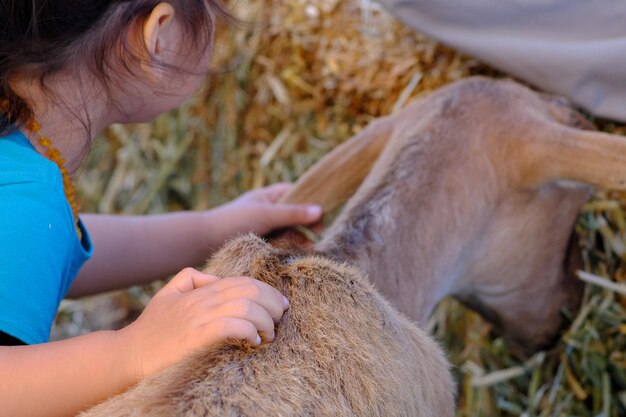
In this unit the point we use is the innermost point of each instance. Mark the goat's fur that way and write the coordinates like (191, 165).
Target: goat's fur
(456, 204)
(474, 195)
(340, 350)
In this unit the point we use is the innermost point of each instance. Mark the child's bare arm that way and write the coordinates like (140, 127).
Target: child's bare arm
(192, 311)
(61, 378)
(130, 250)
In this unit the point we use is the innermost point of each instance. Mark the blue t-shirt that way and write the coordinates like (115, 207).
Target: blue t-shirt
(40, 253)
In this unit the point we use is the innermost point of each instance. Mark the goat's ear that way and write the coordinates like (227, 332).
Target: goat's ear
(333, 180)
(588, 157)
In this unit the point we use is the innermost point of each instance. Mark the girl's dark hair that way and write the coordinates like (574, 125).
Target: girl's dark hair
(45, 36)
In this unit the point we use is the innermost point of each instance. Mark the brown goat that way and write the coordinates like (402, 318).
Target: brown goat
(340, 350)
(474, 195)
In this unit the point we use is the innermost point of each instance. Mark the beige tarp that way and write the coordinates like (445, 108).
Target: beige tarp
(575, 48)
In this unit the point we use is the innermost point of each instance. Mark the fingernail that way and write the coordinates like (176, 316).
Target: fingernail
(258, 339)
(285, 302)
(314, 212)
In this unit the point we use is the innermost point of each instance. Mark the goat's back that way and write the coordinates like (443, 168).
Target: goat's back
(340, 350)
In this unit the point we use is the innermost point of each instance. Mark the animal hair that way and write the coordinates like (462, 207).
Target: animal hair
(340, 350)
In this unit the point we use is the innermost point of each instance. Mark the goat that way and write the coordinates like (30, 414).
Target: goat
(469, 192)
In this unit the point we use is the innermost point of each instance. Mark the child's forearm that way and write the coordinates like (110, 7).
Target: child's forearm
(131, 250)
(62, 378)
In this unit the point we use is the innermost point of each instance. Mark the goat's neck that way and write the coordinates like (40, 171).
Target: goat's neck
(438, 216)
(411, 225)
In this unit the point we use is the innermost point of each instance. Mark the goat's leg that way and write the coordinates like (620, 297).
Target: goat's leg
(594, 158)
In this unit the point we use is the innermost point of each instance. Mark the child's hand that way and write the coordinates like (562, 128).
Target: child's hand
(195, 310)
(258, 211)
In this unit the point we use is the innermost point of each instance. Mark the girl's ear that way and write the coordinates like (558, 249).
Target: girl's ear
(158, 35)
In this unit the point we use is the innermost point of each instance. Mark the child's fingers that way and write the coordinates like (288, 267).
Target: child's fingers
(283, 215)
(261, 293)
(270, 194)
(276, 191)
(248, 310)
(265, 296)
(186, 280)
(228, 327)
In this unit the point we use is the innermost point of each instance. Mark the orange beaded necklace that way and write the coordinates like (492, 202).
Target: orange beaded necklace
(54, 155)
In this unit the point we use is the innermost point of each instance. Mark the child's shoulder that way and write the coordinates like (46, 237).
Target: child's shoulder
(20, 163)
(31, 186)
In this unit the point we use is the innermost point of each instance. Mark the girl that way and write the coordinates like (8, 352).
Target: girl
(69, 68)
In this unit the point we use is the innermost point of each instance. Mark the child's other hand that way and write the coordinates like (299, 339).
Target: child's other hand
(258, 211)
(195, 310)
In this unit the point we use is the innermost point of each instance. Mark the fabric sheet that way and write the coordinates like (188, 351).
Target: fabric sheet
(574, 48)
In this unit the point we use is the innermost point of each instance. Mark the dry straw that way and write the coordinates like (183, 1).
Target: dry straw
(311, 74)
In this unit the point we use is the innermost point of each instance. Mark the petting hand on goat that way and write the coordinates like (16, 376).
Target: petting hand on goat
(195, 310)
(170, 242)
(260, 212)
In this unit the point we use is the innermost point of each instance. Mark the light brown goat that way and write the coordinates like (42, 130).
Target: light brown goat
(341, 350)
(474, 195)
